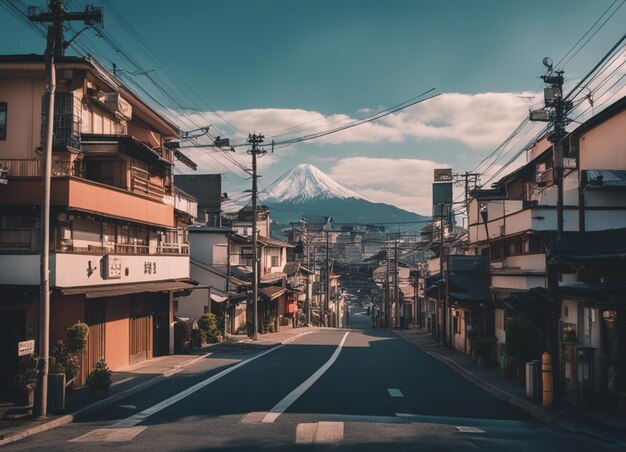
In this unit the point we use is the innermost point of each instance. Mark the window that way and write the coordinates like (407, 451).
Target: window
(275, 261)
(3, 120)
(246, 256)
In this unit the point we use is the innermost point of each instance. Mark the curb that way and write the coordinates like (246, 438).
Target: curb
(89, 409)
(488, 387)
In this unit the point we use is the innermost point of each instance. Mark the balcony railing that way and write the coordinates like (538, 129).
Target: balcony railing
(21, 167)
(123, 248)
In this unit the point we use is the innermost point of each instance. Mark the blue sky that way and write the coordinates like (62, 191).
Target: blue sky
(276, 64)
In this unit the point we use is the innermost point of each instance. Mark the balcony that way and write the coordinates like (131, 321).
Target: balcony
(88, 196)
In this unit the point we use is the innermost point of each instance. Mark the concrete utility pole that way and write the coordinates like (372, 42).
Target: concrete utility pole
(327, 296)
(55, 47)
(255, 140)
(555, 111)
(387, 291)
(396, 285)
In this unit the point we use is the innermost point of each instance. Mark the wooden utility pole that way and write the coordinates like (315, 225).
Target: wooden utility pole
(255, 140)
(56, 44)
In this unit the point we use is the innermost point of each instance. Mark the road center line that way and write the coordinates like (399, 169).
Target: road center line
(140, 417)
(294, 395)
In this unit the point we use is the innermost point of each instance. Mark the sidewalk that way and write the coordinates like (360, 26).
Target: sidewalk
(509, 390)
(126, 382)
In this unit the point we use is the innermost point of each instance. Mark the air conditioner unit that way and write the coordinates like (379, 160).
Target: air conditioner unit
(117, 105)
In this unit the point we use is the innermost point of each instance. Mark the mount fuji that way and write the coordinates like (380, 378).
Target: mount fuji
(305, 191)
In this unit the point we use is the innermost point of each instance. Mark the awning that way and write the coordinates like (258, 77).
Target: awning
(602, 248)
(127, 289)
(272, 293)
(535, 299)
(468, 278)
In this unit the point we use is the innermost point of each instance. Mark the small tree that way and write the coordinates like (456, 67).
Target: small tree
(100, 378)
(524, 341)
(66, 353)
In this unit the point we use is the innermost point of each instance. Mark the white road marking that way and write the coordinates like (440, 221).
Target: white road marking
(319, 433)
(128, 407)
(122, 381)
(469, 429)
(145, 414)
(110, 435)
(281, 406)
(393, 392)
(256, 417)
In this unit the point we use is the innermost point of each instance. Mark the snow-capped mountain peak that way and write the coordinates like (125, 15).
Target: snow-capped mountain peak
(304, 183)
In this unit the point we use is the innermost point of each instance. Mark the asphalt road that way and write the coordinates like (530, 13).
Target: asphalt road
(351, 389)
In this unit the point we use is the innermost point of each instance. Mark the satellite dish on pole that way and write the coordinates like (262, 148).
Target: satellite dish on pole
(547, 62)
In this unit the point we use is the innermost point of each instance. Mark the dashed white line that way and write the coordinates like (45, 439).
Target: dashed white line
(463, 429)
(393, 392)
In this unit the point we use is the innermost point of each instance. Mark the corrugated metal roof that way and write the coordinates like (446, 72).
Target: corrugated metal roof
(604, 178)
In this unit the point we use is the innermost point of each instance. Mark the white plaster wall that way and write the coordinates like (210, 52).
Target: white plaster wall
(71, 270)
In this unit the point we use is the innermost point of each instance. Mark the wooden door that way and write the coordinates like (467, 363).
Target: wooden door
(94, 318)
(140, 330)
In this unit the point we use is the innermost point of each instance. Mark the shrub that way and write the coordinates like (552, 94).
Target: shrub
(65, 361)
(207, 324)
(76, 342)
(100, 378)
(524, 341)
(26, 375)
(182, 335)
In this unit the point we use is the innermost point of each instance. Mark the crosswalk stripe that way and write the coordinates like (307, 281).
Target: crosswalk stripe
(109, 435)
(319, 433)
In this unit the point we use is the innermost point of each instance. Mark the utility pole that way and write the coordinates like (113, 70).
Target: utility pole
(255, 140)
(327, 296)
(396, 286)
(55, 47)
(555, 111)
(387, 289)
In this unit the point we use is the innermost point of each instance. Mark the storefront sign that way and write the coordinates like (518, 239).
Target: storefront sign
(26, 347)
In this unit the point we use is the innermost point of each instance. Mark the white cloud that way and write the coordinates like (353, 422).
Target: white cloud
(406, 183)
(480, 121)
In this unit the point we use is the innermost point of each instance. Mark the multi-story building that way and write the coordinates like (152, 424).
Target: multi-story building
(517, 219)
(119, 251)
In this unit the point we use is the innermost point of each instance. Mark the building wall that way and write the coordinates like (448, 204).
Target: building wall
(23, 97)
(604, 146)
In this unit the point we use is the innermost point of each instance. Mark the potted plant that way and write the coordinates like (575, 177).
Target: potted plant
(25, 380)
(100, 379)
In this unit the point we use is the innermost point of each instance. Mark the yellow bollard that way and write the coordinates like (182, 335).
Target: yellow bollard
(548, 383)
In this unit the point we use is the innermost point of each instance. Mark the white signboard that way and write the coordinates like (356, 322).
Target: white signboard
(26, 347)
(113, 267)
